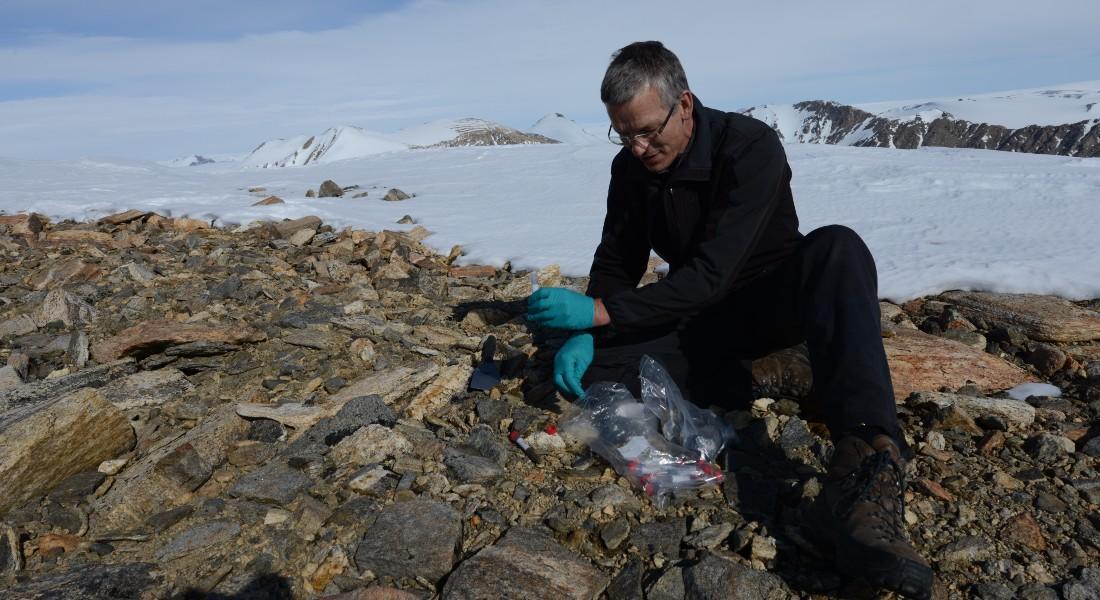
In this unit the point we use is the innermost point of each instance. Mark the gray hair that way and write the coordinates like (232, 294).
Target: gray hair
(639, 65)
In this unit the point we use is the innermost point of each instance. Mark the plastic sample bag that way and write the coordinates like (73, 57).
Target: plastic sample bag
(661, 444)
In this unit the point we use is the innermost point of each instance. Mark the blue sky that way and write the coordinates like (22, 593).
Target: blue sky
(156, 79)
(194, 20)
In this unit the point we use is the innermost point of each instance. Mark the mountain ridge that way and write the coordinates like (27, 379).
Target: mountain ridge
(828, 122)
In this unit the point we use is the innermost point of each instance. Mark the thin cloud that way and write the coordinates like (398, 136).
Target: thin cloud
(513, 62)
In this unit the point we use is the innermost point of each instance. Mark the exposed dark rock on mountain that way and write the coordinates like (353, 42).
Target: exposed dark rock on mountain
(826, 122)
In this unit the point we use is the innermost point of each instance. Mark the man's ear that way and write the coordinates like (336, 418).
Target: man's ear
(687, 102)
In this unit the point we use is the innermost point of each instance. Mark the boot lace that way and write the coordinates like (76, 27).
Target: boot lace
(878, 480)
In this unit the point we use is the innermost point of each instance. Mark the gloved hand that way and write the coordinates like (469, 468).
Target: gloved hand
(561, 308)
(572, 360)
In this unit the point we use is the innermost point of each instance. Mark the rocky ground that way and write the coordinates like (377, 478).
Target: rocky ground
(282, 411)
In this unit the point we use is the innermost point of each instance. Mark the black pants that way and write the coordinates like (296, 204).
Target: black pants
(825, 294)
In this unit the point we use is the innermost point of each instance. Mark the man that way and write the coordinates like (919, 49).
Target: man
(710, 193)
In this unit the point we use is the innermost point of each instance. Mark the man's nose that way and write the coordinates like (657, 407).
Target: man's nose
(638, 147)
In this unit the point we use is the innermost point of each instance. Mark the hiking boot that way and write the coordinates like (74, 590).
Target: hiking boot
(861, 515)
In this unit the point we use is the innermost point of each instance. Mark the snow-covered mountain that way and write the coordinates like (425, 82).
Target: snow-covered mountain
(335, 143)
(1055, 105)
(466, 132)
(565, 130)
(199, 160)
(1063, 120)
(343, 142)
(193, 160)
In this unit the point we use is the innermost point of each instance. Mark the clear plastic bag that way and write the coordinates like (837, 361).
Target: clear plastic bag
(661, 444)
(682, 422)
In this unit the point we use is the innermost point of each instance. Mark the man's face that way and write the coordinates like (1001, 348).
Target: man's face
(644, 113)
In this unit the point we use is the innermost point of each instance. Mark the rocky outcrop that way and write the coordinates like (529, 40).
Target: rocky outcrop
(292, 418)
(479, 132)
(1042, 318)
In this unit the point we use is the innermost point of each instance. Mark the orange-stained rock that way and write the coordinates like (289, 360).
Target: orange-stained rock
(154, 336)
(1025, 531)
(124, 217)
(473, 271)
(158, 221)
(920, 362)
(1083, 354)
(1044, 318)
(78, 236)
(289, 228)
(931, 488)
(187, 225)
(22, 224)
(51, 542)
(269, 201)
(65, 273)
(991, 443)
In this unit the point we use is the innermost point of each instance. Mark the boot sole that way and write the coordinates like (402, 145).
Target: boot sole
(910, 579)
(903, 576)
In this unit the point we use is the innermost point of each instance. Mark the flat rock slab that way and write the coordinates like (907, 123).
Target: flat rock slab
(1043, 318)
(1017, 412)
(45, 389)
(95, 582)
(17, 325)
(920, 362)
(291, 414)
(390, 384)
(275, 483)
(148, 487)
(198, 537)
(526, 564)
(288, 228)
(44, 443)
(78, 236)
(124, 217)
(717, 577)
(155, 336)
(651, 538)
(470, 468)
(147, 388)
(418, 538)
(963, 553)
(451, 381)
(317, 340)
(68, 272)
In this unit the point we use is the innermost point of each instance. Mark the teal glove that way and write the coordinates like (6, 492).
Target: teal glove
(561, 308)
(571, 362)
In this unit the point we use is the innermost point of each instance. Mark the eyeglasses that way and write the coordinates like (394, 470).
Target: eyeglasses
(646, 136)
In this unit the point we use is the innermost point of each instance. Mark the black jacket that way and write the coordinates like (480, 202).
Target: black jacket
(722, 215)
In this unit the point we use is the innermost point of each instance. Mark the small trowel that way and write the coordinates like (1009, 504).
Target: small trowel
(487, 374)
